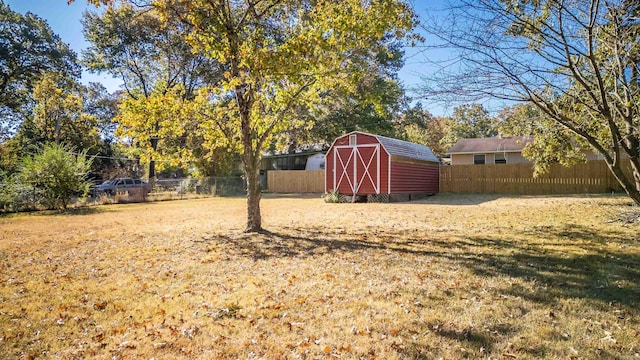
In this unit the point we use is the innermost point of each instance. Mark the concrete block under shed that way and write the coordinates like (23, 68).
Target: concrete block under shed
(382, 198)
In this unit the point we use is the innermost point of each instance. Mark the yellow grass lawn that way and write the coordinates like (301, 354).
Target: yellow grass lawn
(452, 276)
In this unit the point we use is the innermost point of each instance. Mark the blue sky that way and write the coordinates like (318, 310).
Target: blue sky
(65, 21)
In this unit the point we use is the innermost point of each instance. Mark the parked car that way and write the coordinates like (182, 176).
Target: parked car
(112, 186)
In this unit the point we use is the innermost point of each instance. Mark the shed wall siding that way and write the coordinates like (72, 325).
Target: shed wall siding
(384, 171)
(414, 178)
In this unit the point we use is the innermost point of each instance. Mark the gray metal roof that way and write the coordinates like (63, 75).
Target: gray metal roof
(406, 149)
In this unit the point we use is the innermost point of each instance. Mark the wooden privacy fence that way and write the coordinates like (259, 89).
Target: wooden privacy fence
(296, 181)
(591, 177)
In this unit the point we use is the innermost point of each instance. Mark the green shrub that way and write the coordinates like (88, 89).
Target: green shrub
(14, 195)
(332, 197)
(55, 175)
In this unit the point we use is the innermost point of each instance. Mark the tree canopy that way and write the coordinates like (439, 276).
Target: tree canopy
(277, 60)
(419, 126)
(551, 143)
(58, 116)
(372, 106)
(278, 56)
(158, 69)
(468, 121)
(29, 48)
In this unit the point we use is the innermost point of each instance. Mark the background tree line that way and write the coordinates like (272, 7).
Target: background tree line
(208, 85)
(151, 118)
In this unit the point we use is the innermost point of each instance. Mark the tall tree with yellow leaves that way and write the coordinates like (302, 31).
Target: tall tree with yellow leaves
(277, 55)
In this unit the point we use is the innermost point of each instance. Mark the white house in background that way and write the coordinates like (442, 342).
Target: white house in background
(492, 150)
(496, 150)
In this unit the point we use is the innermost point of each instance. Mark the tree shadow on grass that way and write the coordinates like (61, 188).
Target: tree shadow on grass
(474, 337)
(268, 244)
(75, 211)
(610, 277)
(570, 261)
(555, 263)
(68, 211)
(457, 199)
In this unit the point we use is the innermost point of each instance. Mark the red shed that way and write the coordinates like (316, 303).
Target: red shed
(365, 164)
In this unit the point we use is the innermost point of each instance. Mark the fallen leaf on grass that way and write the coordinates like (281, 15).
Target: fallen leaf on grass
(302, 346)
(608, 337)
(100, 305)
(231, 311)
(127, 345)
(209, 259)
(191, 331)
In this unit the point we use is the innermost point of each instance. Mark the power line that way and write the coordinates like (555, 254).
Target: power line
(103, 157)
(113, 157)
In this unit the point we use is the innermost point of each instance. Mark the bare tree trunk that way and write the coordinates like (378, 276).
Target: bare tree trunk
(631, 185)
(154, 146)
(250, 158)
(58, 130)
(152, 162)
(183, 144)
(254, 218)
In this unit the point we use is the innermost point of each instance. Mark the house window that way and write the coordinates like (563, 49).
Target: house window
(352, 140)
(478, 159)
(500, 159)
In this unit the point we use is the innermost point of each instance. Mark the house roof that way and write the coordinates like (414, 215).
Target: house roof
(405, 149)
(490, 145)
